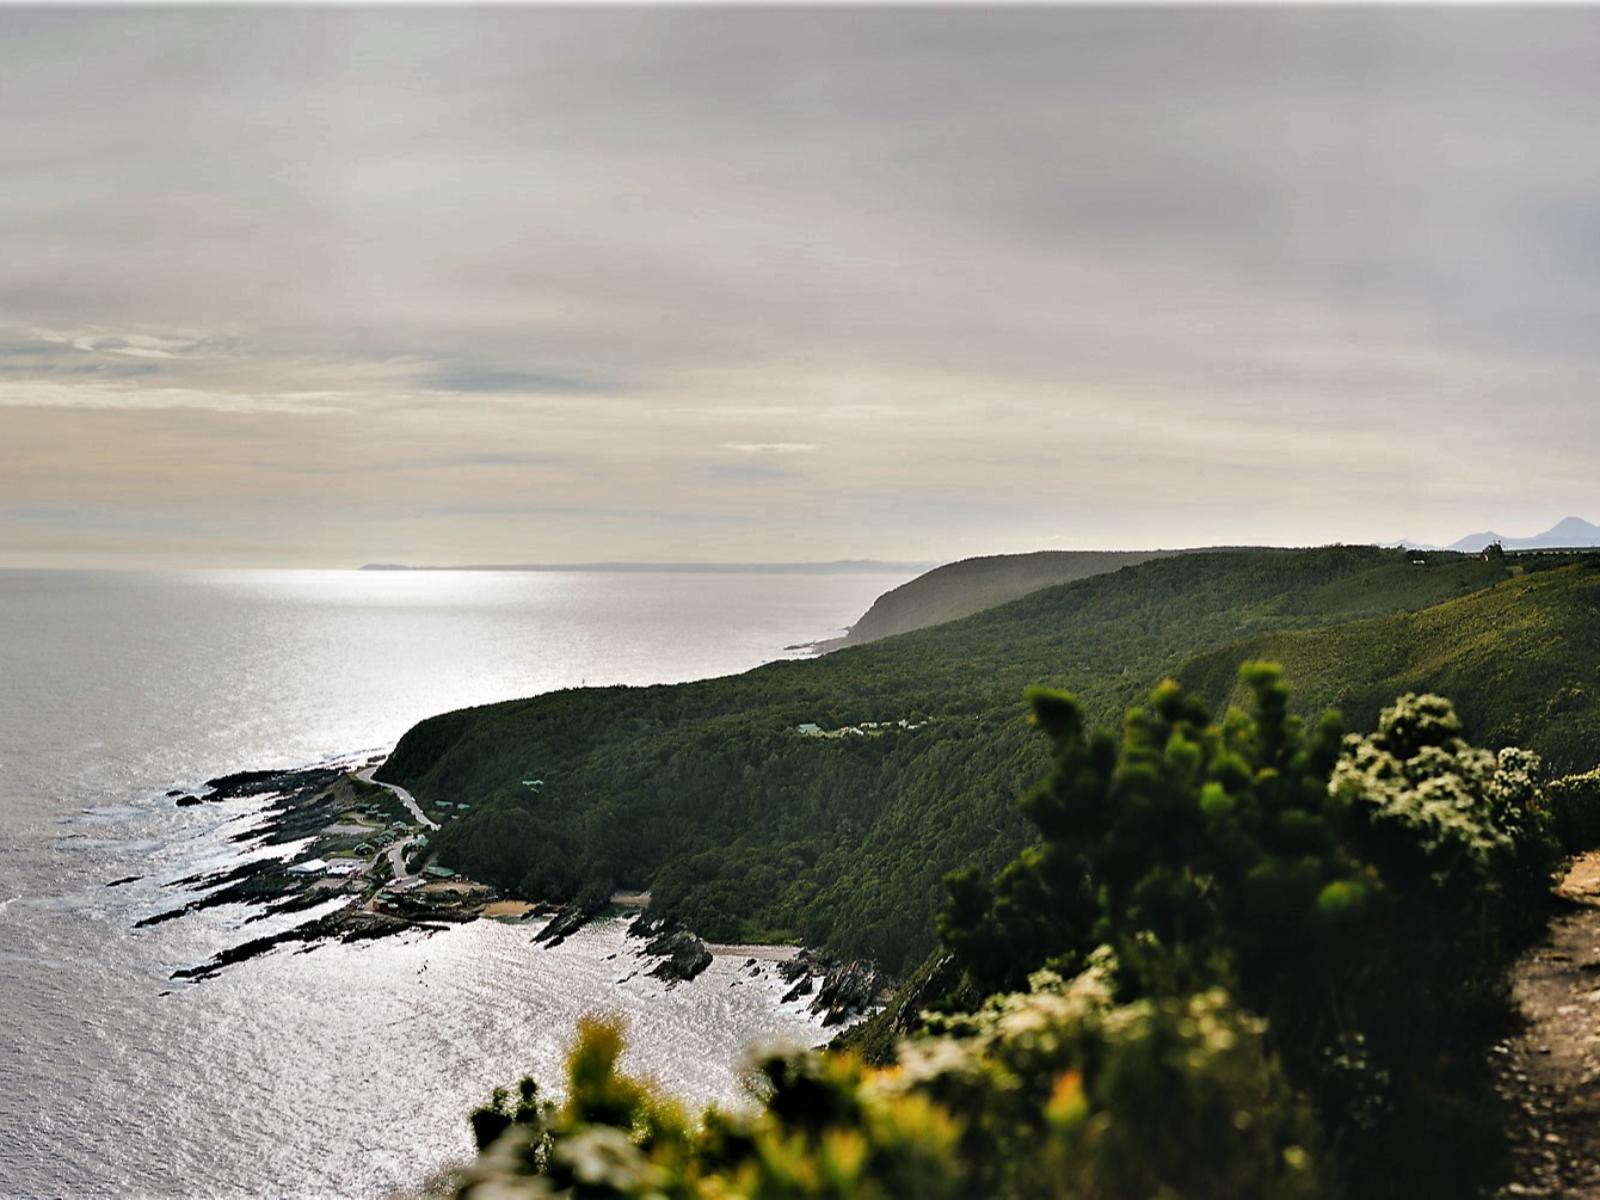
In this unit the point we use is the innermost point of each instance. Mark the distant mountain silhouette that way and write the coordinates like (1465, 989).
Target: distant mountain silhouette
(1572, 533)
(1475, 542)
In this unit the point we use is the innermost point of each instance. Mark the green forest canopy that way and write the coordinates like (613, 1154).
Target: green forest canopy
(706, 794)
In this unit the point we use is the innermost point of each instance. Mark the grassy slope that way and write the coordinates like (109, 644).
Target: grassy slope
(704, 792)
(1521, 661)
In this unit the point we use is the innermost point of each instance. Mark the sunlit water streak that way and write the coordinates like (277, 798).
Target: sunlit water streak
(346, 1070)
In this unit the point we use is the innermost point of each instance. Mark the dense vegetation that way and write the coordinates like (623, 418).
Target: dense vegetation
(706, 794)
(1575, 810)
(1363, 896)
(1249, 958)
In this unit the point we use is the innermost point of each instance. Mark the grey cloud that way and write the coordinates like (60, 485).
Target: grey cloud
(1074, 236)
(462, 378)
(772, 447)
(102, 520)
(747, 471)
(642, 515)
(476, 459)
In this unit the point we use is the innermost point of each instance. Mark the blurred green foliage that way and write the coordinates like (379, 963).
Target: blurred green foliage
(1050, 1093)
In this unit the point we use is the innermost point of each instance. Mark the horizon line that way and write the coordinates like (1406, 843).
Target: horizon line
(863, 565)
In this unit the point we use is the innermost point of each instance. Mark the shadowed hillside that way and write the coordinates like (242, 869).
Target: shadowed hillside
(960, 589)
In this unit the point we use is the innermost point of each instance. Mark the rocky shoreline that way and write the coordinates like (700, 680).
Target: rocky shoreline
(353, 835)
(344, 828)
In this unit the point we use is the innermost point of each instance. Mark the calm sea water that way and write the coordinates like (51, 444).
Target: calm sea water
(347, 1070)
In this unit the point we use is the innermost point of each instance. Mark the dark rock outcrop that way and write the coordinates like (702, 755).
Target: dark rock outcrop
(683, 955)
(645, 925)
(568, 920)
(843, 991)
(249, 783)
(347, 925)
(849, 991)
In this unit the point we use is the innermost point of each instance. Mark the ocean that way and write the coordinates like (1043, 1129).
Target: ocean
(348, 1070)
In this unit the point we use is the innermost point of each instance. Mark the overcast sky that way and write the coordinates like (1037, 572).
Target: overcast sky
(303, 287)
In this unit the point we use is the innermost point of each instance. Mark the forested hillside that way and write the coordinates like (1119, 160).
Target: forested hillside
(746, 828)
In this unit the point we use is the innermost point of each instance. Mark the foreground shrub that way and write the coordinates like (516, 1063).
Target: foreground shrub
(1362, 893)
(1358, 898)
(1056, 1092)
(1575, 811)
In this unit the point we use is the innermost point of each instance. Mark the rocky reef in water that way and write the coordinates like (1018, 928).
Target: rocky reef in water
(325, 815)
(683, 955)
(840, 990)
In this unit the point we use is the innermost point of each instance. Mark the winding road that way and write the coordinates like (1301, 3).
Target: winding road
(397, 852)
(397, 861)
(404, 797)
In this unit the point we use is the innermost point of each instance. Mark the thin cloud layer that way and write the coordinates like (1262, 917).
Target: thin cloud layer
(323, 286)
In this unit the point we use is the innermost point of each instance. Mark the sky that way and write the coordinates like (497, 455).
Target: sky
(301, 287)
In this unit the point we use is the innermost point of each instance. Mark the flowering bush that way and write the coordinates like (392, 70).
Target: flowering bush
(1056, 1092)
(1362, 893)
(1575, 810)
(1435, 814)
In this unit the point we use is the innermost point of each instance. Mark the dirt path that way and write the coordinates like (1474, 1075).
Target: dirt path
(1551, 1072)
